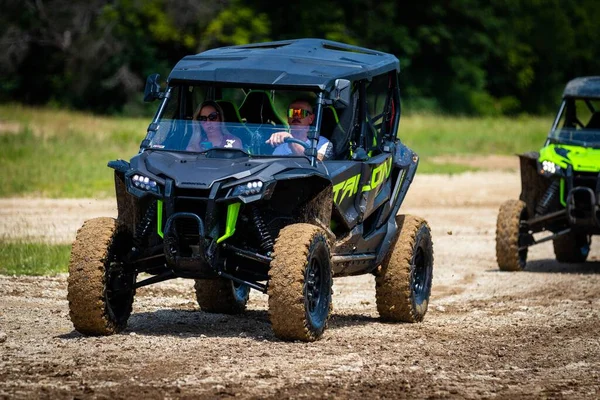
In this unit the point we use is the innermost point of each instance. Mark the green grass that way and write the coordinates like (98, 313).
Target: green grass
(435, 135)
(56, 153)
(23, 258)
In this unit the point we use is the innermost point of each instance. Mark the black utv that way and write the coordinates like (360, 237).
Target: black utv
(241, 218)
(560, 185)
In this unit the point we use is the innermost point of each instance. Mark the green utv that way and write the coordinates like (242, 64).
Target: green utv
(560, 185)
(242, 218)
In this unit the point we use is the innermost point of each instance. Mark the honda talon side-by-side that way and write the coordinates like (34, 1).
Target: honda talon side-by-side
(560, 185)
(245, 212)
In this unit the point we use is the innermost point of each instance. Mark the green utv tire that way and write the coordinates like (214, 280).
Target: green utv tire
(403, 284)
(572, 247)
(100, 290)
(508, 231)
(221, 296)
(300, 282)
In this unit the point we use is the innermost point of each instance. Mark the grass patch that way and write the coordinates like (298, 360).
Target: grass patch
(63, 154)
(23, 258)
(437, 135)
(58, 154)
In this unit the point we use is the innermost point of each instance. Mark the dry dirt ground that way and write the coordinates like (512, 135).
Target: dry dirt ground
(487, 334)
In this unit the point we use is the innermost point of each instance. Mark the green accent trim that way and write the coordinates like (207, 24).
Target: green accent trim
(159, 217)
(232, 214)
(562, 192)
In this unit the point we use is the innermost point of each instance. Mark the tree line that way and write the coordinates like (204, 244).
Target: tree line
(471, 57)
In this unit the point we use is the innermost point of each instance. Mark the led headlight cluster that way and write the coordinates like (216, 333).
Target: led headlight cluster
(143, 182)
(550, 167)
(248, 189)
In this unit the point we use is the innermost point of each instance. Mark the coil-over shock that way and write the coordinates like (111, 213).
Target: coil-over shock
(143, 228)
(548, 198)
(264, 236)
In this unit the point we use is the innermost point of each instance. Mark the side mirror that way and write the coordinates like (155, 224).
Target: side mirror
(341, 93)
(152, 90)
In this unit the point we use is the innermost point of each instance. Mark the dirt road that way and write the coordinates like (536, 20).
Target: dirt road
(487, 334)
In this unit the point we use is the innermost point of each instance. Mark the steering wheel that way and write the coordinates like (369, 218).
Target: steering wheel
(297, 141)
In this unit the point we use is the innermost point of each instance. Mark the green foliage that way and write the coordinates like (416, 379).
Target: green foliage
(465, 57)
(26, 258)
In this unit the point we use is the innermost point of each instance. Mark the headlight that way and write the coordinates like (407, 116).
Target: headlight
(248, 189)
(549, 166)
(144, 183)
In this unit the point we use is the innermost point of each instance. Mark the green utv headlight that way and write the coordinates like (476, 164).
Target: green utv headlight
(549, 168)
(248, 189)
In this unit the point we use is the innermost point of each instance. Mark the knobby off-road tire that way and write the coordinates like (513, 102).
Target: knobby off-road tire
(300, 282)
(403, 284)
(221, 296)
(508, 230)
(572, 248)
(100, 293)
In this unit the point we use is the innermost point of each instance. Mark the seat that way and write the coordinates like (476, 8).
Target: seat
(258, 108)
(230, 111)
(594, 122)
(332, 127)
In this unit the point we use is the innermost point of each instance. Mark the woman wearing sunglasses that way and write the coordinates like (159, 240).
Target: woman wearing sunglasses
(209, 129)
(300, 118)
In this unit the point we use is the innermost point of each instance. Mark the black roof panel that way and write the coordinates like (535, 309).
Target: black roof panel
(587, 86)
(310, 63)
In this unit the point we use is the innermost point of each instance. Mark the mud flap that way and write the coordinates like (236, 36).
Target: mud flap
(533, 185)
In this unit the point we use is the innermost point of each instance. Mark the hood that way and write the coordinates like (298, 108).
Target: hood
(583, 159)
(196, 171)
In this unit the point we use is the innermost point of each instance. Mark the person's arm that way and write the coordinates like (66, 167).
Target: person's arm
(278, 138)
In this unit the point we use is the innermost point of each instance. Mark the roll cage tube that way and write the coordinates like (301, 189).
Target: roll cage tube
(314, 137)
(153, 127)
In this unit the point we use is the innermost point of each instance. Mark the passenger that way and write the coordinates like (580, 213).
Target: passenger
(211, 131)
(300, 118)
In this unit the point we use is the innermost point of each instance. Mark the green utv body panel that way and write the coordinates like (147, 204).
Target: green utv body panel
(232, 214)
(581, 158)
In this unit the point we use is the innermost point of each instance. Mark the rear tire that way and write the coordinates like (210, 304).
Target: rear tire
(300, 282)
(403, 285)
(221, 296)
(508, 232)
(572, 248)
(100, 289)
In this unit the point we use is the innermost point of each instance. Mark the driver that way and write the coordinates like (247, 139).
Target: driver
(300, 117)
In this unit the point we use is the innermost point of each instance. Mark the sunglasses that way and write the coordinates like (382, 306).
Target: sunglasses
(213, 116)
(298, 113)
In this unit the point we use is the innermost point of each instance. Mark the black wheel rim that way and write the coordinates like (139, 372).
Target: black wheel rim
(421, 275)
(316, 295)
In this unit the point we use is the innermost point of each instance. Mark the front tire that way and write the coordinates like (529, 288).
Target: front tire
(572, 247)
(403, 284)
(100, 287)
(509, 235)
(300, 282)
(221, 296)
